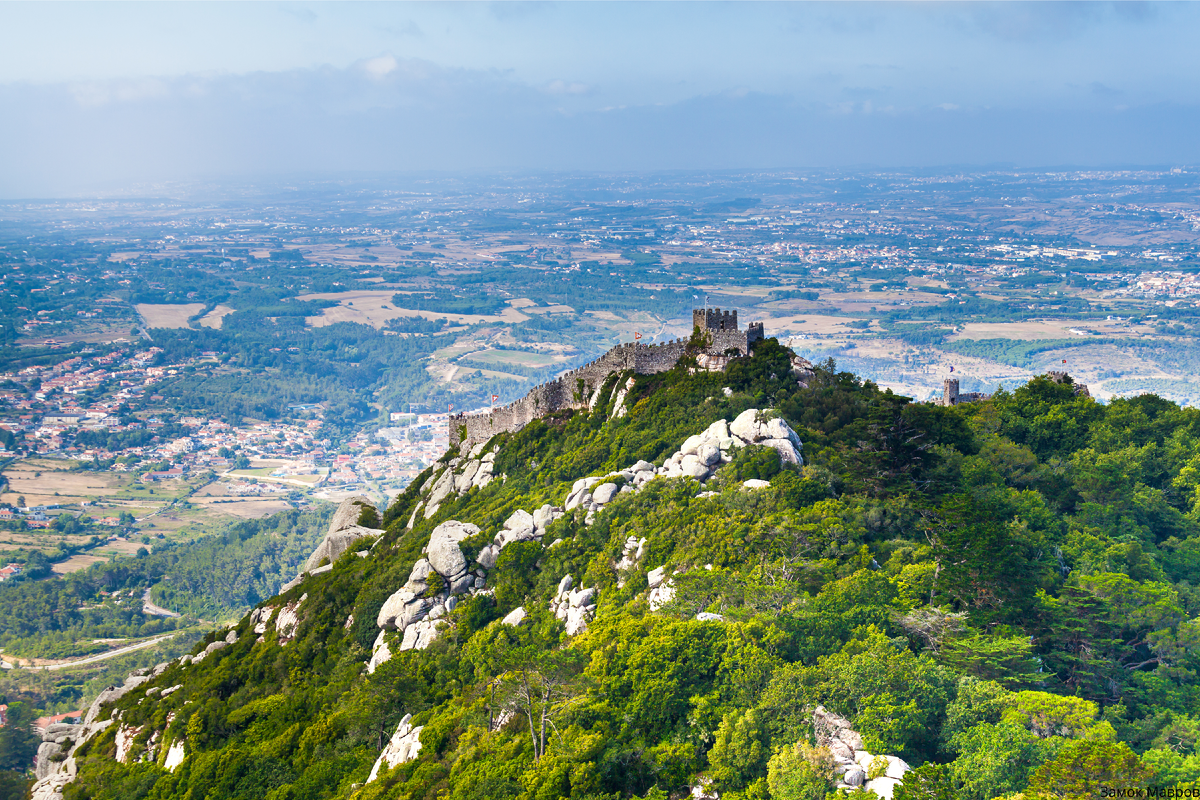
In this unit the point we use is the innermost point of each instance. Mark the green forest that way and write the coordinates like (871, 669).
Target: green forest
(214, 578)
(1002, 593)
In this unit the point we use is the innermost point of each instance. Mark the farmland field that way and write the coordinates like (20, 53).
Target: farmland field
(168, 315)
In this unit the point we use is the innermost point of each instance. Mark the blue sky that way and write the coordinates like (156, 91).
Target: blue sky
(101, 96)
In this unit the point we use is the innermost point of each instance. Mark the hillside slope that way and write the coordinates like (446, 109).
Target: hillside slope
(769, 580)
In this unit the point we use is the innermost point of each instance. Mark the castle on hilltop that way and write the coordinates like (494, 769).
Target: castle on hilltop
(580, 388)
(952, 397)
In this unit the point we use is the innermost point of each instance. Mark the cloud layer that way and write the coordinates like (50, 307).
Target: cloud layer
(463, 87)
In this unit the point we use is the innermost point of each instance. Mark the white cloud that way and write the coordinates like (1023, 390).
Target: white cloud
(564, 87)
(380, 67)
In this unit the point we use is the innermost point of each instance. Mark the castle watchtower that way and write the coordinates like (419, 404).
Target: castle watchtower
(713, 319)
(950, 392)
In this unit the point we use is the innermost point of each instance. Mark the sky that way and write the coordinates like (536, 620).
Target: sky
(100, 97)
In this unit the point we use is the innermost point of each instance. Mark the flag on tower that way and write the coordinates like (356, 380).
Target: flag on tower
(495, 397)
(952, 369)
(452, 406)
(1064, 361)
(637, 336)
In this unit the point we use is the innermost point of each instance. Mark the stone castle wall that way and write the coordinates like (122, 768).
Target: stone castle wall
(580, 387)
(576, 389)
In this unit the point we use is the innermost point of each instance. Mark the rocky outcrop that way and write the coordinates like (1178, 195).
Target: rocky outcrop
(855, 767)
(404, 745)
(459, 476)
(754, 427)
(55, 766)
(287, 620)
(416, 607)
(575, 608)
(344, 531)
(175, 755)
(381, 653)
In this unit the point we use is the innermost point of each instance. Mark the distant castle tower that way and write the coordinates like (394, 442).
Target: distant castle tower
(950, 392)
(952, 397)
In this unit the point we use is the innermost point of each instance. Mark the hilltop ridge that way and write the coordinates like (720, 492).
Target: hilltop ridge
(716, 339)
(756, 583)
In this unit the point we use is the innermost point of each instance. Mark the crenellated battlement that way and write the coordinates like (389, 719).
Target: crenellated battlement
(580, 388)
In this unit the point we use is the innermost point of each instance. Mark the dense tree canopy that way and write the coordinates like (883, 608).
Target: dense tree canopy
(1002, 591)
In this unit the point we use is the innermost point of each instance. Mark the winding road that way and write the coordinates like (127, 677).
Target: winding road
(105, 656)
(148, 607)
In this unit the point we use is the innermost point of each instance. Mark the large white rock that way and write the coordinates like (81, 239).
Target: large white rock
(655, 576)
(746, 426)
(405, 745)
(443, 552)
(402, 609)
(755, 483)
(514, 617)
(488, 555)
(661, 595)
(420, 634)
(778, 428)
(709, 454)
(455, 531)
(642, 466)
(175, 755)
(45, 754)
(441, 490)
(691, 445)
(604, 493)
(521, 521)
(884, 787)
(464, 479)
(543, 517)
(787, 451)
(380, 653)
(717, 431)
(348, 512)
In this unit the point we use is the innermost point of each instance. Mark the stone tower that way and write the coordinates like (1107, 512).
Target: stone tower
(714, 319)
(950, 392)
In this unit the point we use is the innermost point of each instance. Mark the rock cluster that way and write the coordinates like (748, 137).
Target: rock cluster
(476, 472)
(699, 458)
(855, 767)
(753, 427)
(53, 769)
(573, 607)
(662, 589)
(405, 745)
(416, 608)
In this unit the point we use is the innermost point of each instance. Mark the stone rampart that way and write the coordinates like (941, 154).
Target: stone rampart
(580, 388)
(576, 389)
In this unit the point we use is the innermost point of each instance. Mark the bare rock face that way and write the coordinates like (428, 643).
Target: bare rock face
(746, 426)
(344, 531)
(380, 653)
(851, 761)
(405, 745)
(575, 608)
(348, 512)
(45, 765)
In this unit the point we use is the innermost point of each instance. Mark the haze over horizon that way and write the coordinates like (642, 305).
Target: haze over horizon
(103, 97)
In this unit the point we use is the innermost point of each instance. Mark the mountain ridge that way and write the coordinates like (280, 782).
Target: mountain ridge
(948, 582)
